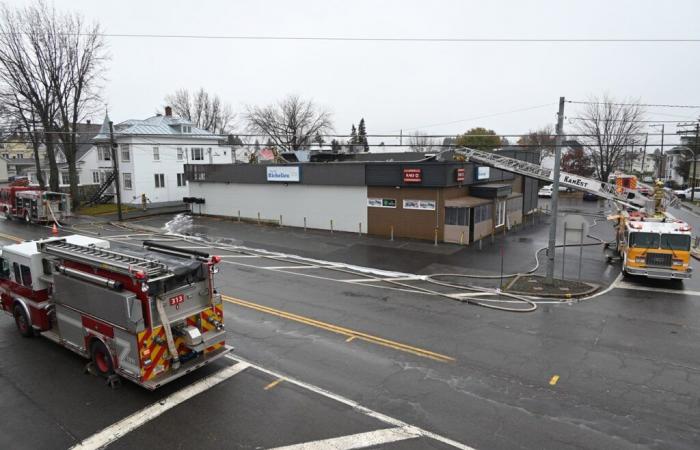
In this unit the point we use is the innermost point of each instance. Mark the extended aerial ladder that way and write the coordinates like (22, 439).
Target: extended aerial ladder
(630, 198)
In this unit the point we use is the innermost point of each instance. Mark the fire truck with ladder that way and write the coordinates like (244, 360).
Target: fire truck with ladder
(649, 241)
(150, 315)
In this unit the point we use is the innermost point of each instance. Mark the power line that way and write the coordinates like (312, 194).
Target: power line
(394, 39)
(634, 121)
(647, 105)
(529, 108)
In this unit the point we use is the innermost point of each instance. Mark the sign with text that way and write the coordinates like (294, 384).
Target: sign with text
(575, 181)
(483, 173)
(412, 175)
(284, 174)
(419, 204)
(459, 174)
(381, 202)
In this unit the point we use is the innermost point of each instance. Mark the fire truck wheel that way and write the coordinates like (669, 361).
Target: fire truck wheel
(23, 324)
(101, 358)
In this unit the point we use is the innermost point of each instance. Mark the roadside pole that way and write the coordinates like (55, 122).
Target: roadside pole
(113, 147)
(695, 161)
(551, 247)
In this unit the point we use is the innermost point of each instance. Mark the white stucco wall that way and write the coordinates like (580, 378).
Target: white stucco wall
(345, 205)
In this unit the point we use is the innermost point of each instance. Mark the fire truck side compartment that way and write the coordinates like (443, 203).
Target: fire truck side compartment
(121, 309)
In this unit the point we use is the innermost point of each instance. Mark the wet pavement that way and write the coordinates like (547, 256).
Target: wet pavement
(619, 370)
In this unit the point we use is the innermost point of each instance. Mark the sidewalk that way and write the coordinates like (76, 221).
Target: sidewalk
(514, 251)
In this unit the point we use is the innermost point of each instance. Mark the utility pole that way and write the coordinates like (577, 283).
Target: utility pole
(644, 155)
(115, 164)
(551, 247)
(662, 161)
(695, 160)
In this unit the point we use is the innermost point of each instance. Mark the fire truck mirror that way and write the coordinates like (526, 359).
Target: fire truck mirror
(133, 310)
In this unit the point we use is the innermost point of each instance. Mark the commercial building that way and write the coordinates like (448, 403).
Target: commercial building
(408, 195)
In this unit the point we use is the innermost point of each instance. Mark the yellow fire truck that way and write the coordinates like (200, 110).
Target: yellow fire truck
(655, 246)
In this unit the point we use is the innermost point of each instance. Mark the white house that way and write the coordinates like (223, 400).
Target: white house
(152, 153)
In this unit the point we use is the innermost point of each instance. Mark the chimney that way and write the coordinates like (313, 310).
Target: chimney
(88, 121)
(168, 111)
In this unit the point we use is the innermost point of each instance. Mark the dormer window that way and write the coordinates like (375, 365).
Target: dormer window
(186, 128)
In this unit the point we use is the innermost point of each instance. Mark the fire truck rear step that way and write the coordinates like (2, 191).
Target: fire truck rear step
(185, 368)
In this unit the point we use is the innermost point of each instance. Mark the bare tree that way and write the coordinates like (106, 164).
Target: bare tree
(420, 142)
(203, 109)
(78, 66)
(25, 48)
(50, 64)
(292, 123)
(607, 129)
(541, 139)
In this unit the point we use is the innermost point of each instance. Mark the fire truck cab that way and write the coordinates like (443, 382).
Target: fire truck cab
(655, 246)
(150, 315)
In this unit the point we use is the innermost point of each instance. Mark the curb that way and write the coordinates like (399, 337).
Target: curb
(592, 289)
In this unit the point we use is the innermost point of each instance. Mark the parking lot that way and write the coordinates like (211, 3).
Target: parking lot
(329, 353)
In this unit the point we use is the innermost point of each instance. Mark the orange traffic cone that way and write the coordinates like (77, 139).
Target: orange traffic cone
(54, 229)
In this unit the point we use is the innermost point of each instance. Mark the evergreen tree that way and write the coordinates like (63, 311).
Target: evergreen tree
(362, 135)
(353, 135)
(335, 145)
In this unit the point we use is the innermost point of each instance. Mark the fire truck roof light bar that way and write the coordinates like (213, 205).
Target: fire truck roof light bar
(98, 257)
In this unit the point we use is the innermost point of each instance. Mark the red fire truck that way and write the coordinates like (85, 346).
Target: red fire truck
(31, 204)
(150, 316)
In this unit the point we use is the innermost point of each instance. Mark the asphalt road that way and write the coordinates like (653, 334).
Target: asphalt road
(616, 371)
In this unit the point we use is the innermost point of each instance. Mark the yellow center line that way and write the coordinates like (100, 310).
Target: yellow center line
(554, 380)
(12, 238)
(341, 330)
(273, 384)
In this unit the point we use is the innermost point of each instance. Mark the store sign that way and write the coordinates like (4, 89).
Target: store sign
(460, 174)
(483, 173)
(284, 174)
(428, 205)
(412, 175)
(381, 202)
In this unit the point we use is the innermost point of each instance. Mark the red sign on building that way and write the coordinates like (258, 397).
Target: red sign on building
(460, 174)
(412, 176)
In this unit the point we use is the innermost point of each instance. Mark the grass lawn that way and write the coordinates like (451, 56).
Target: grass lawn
(99, 210)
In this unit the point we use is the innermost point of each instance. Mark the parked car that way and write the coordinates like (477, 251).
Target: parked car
(546, 191)
(589, 196)
(686, 193)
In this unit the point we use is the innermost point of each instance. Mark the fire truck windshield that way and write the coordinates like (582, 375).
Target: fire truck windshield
(644, 240)
(675, 242)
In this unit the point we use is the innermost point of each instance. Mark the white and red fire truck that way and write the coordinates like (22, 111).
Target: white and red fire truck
(31, 204)
(150, 315)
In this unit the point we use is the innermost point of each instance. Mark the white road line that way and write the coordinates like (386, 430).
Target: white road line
(356, 406)
(359, 440)
(119, 429)
(239, 256)
(291, 267)
(632, 286)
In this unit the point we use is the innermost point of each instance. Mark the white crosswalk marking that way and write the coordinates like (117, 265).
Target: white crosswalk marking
(360, 440)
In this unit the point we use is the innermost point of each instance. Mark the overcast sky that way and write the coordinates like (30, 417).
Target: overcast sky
(403, 85)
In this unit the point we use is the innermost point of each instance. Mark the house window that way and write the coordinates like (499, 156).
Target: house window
(197, 154)
(127, 180)
(103, 153)
(186, 129)
(180, 154)
(457, 216)
(156, 154)
(180, 179)
(65, 179)
(20, 155)
(126, 153)
(95, 176)
(6, 155)
(160, 180)
(500, 212)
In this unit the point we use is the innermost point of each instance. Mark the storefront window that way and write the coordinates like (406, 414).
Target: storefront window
(457, 216)
(482, 213)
